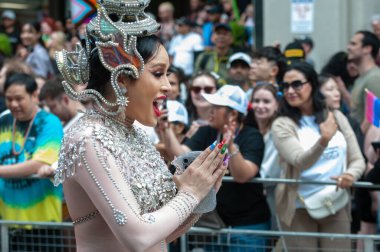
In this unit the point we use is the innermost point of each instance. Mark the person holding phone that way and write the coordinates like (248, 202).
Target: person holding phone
(240, 204)
(119, 192)
(314, 143)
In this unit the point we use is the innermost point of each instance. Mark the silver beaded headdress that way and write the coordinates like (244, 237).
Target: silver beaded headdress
(113, 32)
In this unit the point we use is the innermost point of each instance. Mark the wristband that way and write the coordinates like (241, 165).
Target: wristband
(235, 152)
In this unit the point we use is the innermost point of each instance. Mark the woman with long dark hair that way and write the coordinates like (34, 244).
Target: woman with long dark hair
(119, 192)
(314, 143)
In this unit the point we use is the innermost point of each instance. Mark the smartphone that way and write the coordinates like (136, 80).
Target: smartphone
(376, 145)
(165, 104)
(180, 163)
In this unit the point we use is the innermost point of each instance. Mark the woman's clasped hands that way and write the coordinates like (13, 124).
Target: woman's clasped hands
(205, 172)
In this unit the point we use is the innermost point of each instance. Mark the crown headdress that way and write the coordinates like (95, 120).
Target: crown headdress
(113, 32)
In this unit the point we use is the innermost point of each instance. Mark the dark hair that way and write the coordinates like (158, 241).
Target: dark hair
(37, 27)
(318, 102)
(147, 47)
(178, 72)
(337, 66)
(370, 39)
(193, 115)
(323, 78)
(250, 118)
(272, 54)
(240, 116)
(23, 80)
(52, 89)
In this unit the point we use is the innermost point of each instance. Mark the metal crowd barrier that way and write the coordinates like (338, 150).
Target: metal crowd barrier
(37, 236)
(358, 184)
(210, 240)
(59, 237)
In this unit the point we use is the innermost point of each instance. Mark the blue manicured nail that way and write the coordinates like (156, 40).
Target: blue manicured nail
(212, 146)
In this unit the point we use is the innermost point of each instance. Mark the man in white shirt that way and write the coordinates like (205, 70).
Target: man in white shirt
(184, 45)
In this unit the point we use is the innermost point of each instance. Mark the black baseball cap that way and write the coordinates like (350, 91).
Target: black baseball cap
(184, 21)
(215, 9)
(224, 26)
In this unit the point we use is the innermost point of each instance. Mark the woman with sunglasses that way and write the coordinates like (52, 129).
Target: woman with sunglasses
(313, 144)
(198, 108)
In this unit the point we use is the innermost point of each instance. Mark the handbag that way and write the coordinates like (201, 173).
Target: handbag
(325, 202)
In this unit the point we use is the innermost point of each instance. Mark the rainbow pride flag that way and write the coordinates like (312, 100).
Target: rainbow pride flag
(372, 110)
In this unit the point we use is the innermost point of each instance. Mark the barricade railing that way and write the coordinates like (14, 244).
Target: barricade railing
(204, 239)
(37, 236)
(358, 184)
(59, 237)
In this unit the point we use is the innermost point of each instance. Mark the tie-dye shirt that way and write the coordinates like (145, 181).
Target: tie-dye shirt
(30, 199)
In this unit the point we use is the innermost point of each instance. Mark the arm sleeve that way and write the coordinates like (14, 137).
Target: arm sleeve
(289, 147)
(198, 43)
(355, 160)
(48, 140)
(199, 140)
(101, 177)
(252, 147)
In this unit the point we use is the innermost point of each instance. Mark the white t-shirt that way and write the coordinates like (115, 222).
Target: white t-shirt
(332, 162)
(270, 166)
(182, 48)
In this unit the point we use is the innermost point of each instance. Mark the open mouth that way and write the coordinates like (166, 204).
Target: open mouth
(158, 105)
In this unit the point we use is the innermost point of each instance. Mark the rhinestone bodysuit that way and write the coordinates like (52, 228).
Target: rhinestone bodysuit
(146, 185)
(142, 167)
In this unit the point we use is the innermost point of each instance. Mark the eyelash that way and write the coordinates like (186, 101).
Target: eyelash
(158, 74)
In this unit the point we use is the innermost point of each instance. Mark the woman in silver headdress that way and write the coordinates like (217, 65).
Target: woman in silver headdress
(119, 192)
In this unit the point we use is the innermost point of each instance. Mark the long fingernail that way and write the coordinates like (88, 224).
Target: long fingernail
(226, 159)
(224, 149)
(212, 146)
(220, 145)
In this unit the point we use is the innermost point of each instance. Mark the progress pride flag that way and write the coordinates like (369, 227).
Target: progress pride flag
(372, 110)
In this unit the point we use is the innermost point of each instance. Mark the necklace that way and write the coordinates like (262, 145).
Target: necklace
(14, 152)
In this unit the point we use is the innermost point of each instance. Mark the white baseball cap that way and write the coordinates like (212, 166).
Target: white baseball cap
(10, 14)
(177, 112)
(239, 56)
(231, 96)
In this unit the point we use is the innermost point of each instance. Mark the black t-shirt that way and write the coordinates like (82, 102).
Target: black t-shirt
(373, 175)
(238, 204)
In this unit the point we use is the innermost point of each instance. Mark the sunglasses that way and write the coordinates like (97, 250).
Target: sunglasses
(296, 85)
(207, 90)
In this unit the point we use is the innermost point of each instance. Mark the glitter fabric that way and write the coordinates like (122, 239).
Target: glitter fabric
(143, 169)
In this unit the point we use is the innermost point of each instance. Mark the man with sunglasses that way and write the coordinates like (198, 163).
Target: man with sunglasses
(240, 204)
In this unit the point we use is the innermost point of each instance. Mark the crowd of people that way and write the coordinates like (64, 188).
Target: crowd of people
(269, 108)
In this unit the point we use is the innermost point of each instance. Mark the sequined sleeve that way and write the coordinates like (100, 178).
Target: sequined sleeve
(135, 198)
